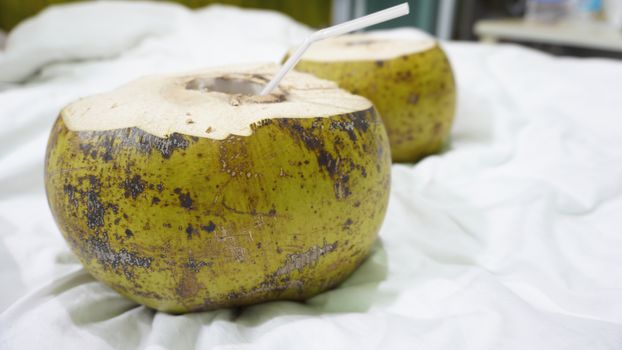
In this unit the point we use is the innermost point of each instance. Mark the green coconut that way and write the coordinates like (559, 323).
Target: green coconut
(189, 192)
(409, 81)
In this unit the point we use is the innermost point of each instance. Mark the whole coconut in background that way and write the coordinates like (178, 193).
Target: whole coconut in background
(410, 82)
(188, 192)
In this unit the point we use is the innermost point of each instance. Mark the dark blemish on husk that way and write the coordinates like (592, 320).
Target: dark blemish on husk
(190, 231)
(197, 265)
(301, 260)
(107, 145)
(128, 167)
(379, 63)
(232, 296)
(166, 146)
(134, 186)
(129, 233)
(71, 191)
(113, 207)
(209, 228)
(159, 187)
(348, 127)
(347, 224)
(155, 200)
(360, 124)
(311, 141)
(326, 161)
(95, 209)
(342, 190)
(363, 171)
(184, 198)
(87, 150)
(403, 76)
(99, 248)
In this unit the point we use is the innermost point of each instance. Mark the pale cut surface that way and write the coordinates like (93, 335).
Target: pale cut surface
(366, 47)
(162, 105)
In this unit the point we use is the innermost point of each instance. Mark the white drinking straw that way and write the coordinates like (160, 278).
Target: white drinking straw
(346, 27)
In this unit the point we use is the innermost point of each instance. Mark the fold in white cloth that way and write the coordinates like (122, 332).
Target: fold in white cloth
(508, 240)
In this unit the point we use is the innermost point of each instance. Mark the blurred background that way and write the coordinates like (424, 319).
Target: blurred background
(562, 27)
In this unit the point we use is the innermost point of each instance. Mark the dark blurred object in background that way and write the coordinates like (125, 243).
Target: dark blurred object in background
(470, 11)
(314, 13)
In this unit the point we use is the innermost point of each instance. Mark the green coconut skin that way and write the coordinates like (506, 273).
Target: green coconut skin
(415, 95)
(183, 223)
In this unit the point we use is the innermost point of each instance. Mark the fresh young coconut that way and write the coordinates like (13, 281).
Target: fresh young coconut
(409, 80)
(189, 192)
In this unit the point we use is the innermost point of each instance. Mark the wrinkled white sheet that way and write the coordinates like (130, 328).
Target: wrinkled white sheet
(512, 239)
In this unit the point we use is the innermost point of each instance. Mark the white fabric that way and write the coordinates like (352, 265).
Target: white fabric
(509, 240)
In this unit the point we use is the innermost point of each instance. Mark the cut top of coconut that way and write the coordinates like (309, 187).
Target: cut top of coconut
(367, 47)
(212, 103)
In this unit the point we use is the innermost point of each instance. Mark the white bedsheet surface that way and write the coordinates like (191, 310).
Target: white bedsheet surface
(511, 239)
